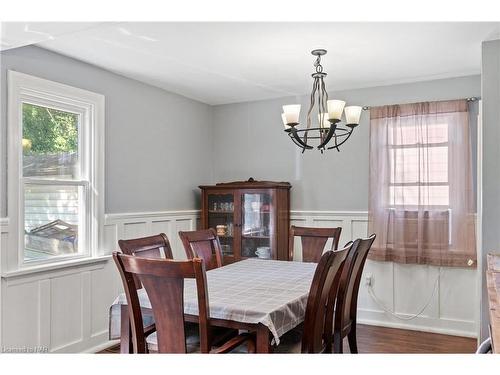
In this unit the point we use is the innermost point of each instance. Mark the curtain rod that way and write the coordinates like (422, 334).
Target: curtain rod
(470, 99)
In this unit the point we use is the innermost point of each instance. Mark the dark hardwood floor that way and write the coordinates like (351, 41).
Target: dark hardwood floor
(373, 339)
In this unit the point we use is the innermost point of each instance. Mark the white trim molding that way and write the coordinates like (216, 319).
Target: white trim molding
(479, 224)
(348, 214)
(121, 217)
(137, 224)
(55, 266)
(89, 106)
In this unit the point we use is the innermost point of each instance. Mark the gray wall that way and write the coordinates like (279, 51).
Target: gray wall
(249, 142)
(158, 144)
(491, 161)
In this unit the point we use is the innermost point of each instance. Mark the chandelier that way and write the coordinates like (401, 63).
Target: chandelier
(328, 134)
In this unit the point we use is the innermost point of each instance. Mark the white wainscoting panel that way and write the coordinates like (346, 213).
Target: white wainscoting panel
(59, 310)
(405, 288)
(66, 309)
(125, 226)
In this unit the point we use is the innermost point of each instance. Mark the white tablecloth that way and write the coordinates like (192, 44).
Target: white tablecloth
(270, 292)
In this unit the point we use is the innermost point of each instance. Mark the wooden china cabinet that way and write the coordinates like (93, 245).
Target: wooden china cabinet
(252, 218)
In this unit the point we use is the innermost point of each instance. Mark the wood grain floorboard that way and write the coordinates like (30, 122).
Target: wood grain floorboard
(374, 339)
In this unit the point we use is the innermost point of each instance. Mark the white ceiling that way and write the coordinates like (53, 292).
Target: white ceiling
(19, 34)
(220, 63)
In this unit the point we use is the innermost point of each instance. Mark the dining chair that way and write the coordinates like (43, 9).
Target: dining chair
(346, 304)
(163, 280)
(313, 241)
(324, 286)
(203, 244)
(157, 246)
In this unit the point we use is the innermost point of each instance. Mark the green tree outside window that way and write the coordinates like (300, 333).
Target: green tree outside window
(49, 131)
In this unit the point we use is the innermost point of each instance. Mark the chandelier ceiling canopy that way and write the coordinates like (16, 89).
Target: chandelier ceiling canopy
(326, 115)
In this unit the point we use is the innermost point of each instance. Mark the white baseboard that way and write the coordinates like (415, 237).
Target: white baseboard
(421, 324)
(105, 345)
(93, 344)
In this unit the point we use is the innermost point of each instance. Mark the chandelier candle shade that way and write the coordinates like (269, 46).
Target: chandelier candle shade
(352, 115)
(291, 113)
(328, 134)
(335, 109)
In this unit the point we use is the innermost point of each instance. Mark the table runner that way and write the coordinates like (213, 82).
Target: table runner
(270, 292)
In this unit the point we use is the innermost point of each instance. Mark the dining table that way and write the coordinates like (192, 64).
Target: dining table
(264, 296)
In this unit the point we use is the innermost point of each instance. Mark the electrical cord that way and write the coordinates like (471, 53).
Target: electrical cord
(372, 294)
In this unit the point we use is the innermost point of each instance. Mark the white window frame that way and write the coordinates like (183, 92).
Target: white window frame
(24, 88)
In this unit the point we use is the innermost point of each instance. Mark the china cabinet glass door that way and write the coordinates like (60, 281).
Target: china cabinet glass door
(221, 218)
(256, 225)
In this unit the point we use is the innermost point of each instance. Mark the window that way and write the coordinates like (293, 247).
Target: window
(418, 162)
(421, 202)
(55, 169)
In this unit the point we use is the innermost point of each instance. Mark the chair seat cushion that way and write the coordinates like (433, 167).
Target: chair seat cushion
(152, 341)
(193, 339)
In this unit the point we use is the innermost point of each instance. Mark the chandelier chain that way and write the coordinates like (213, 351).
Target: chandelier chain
(323, 107)
(317, 64)
(311, 107)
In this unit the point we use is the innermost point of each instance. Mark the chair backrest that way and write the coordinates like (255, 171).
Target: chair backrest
(163, 280)
(347, 296)
(203, 244)
(156, 247)
(325, 280)
(313, 241)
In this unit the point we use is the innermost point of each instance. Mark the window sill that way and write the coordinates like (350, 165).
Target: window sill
(55, 266)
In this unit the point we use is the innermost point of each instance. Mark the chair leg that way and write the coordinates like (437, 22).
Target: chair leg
(351, 337)
(126, 346)
(337, 343)
(251, 347)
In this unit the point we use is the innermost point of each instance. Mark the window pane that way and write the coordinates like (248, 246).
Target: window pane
(51, 220)
(50, 143)
(419, 195)
(404, 165)
(419, 165)
(434, 164)
(402, 134)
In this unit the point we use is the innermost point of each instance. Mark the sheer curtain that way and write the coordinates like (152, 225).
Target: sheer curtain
(421, 202)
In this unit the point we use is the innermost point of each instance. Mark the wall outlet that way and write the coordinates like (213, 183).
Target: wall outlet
(369, 280)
